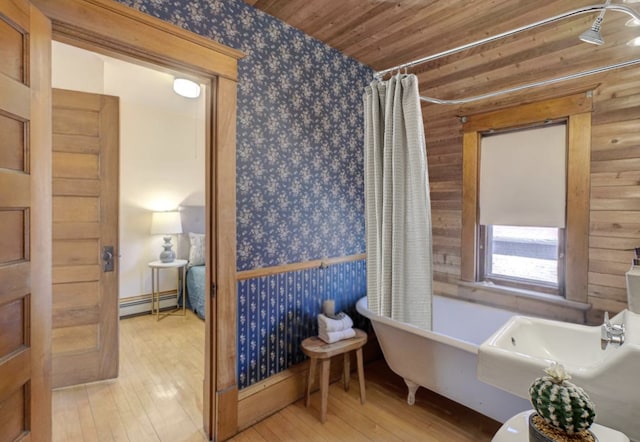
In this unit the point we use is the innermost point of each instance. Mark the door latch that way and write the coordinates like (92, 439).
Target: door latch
(107, 259)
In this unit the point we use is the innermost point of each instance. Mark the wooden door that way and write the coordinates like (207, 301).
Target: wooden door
(25, 223)
(85, 224)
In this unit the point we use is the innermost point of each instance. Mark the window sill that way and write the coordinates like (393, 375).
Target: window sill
(526, 302)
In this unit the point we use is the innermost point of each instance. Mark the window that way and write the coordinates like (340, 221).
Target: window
(523, 241)
(528, 257)
(522, 205)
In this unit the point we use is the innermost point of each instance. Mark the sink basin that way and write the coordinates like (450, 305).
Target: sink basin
(519, 351)
(540, 342)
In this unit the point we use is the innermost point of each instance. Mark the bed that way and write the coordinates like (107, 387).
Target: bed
(195, 289)
(191, 246)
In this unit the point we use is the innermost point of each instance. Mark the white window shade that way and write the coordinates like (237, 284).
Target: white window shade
(523, 177)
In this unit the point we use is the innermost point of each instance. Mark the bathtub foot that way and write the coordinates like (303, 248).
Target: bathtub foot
(413, 387)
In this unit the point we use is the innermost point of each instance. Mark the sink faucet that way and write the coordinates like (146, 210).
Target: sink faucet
(611, 333)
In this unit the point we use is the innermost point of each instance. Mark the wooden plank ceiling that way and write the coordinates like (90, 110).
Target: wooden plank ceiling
(382, 34)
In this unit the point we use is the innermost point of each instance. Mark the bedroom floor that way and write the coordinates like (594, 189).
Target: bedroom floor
(158, 397)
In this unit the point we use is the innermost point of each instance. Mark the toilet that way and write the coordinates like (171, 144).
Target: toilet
(516, 429)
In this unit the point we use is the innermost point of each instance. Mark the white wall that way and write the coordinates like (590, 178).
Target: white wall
(161, 151)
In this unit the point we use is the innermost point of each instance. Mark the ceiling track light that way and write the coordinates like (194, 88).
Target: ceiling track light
(593, 35)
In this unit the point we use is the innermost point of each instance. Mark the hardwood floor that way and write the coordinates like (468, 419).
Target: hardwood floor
(158, 397)
(385, 416)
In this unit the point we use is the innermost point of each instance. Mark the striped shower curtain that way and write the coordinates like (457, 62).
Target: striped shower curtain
(397, 205)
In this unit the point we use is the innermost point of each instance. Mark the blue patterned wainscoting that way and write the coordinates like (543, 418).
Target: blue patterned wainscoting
(277, 312)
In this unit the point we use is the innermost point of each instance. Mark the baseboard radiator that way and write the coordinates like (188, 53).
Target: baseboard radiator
(141, 304)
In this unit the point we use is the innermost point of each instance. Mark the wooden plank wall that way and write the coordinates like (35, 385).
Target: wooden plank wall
(615, 184)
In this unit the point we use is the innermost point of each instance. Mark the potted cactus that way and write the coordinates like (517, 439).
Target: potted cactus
(564, 411)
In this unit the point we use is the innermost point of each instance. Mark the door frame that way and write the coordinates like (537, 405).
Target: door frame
(113, 29)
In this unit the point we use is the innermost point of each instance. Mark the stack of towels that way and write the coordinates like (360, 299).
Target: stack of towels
(332, 330)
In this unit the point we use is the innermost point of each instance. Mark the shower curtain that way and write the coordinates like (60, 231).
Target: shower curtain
(397, 205)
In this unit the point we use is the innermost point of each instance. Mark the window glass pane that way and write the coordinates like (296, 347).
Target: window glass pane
(529, 253)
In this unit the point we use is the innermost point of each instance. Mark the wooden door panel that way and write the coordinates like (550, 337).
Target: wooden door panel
(76, 165)
(12, 144)
(12, 52)
(76, 274)
(20, 185)
(78, 316)
(12, 421)
(12, 323)
(82, 366)
(13, 247)
(76, 122)
(85, 215)
(76, 294)
(75, 143)
(15, 279)
(19, 369)
(25, 216)
(69, 187)
(15, 99)
(75, 252)
(75, 339)
(76, 231)
(75, 209)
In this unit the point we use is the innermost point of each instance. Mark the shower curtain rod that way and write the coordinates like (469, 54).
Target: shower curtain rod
(594, 71)
(586, 9)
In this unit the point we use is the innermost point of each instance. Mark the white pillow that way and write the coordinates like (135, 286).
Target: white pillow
(196, 251)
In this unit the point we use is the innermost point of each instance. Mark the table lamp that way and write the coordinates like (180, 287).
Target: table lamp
(167, 224)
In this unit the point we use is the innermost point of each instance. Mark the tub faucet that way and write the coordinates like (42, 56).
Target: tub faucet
(611, 333)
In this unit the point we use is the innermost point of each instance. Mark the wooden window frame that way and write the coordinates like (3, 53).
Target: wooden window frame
(576, 110)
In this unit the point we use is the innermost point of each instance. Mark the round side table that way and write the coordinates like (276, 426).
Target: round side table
(156, 266)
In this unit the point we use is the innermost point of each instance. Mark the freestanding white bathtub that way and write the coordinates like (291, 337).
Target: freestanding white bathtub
(445, 360)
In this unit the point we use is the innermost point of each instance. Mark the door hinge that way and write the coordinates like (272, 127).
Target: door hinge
(214, 288)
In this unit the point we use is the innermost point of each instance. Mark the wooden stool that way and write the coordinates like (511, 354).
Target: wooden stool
(316, 348)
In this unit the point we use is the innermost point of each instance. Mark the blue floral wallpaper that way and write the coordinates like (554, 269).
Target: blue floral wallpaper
(276, 313)
(299, 135)
(300, 180)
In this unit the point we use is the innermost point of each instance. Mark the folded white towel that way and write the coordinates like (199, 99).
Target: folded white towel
(331, 337)
(333, 325)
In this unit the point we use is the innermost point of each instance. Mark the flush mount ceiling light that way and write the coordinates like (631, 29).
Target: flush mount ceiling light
(186, 88)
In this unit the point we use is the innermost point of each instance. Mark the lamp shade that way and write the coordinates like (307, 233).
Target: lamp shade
(166, 223)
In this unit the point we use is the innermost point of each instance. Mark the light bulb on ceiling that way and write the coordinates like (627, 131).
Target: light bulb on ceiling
(186, 88)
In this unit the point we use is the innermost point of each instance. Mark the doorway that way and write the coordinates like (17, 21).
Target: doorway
(113, 29)
(104, 109)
